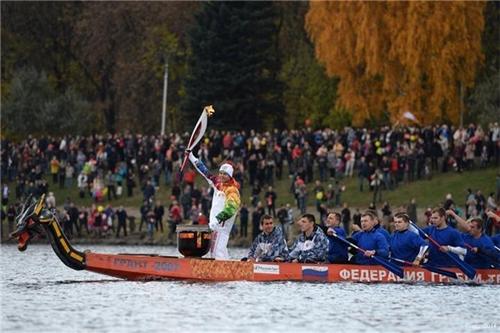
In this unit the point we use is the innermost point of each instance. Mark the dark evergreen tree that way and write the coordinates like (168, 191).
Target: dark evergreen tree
(234, 65)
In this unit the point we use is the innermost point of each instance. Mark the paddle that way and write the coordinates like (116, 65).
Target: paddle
(464, 267)
(483, 254)
(429, 268)
(384, 262)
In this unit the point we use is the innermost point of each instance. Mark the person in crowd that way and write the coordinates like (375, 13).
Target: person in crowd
(300, 191)
(54, 169)
(143, 210)
(363, 172)
(256, 216)
(5, 194)
(270, 197)
(285, 217)
(73, 214)
(406, 244)
(110, 182)
(337, 250)
(481, 252)
(449, 239)
(412, 210)
(151, 222)
(82, 182)
(97, 220)
(51, 200)
(346, 218)
(83, 222)
(174, 217)
(244, 213)
(109, 218)
(11, 217)
(148, 191)
(376, 183)
(379, 227)
(194, 211)
(312, 244)
(270, 244)
(225, 204)
(371, 240)
(496, 220)
(186, 202)
(356, 220)
(121, 215)
(130, 184)
(159, 211)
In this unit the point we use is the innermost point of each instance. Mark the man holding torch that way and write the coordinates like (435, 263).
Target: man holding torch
(226, 198)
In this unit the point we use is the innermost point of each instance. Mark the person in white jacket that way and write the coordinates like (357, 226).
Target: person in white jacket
(225, 204)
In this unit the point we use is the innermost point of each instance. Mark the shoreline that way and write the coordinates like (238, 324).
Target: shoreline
(136, 239)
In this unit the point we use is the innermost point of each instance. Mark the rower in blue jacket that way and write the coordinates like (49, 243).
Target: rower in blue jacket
(382, 230)
(406, 244)
(371, 240)
(496, 240)
(449, 238)
(481, 251)
(337, 250)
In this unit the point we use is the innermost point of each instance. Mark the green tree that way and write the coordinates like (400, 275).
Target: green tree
(234, 65)
(308, 93)
(40, 35)
(34, 106)
(109, 53)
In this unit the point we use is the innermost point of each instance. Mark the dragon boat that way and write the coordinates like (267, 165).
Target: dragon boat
(194, 242)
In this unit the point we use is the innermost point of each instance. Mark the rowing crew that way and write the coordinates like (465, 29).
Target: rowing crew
(329, 243)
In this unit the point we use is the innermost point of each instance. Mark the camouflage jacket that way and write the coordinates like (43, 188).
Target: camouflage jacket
(310, 249)
(266, 247)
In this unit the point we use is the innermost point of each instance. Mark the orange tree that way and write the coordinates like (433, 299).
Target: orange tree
(393, 57)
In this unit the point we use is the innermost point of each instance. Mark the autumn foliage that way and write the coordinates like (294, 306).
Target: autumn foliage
(393, 57)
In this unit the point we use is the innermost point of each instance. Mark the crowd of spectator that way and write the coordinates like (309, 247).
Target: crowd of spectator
(104, 167)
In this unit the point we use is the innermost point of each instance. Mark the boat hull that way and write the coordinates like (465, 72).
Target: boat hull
(152, 267)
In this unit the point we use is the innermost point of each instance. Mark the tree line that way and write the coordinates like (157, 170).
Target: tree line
(82, 67)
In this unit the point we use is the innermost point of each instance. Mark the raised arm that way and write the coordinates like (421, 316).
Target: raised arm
(493, 216)
(461, 222)
(201, 168)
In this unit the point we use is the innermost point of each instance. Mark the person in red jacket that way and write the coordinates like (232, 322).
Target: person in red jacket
(174, 217)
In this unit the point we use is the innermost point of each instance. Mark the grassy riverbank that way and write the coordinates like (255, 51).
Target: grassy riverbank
(427, 193)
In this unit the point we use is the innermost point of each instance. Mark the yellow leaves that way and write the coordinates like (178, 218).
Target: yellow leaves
(398, 56)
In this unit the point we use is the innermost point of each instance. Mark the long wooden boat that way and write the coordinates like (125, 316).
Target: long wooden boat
(35, 218)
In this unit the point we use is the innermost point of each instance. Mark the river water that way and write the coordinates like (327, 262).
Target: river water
(40, 294)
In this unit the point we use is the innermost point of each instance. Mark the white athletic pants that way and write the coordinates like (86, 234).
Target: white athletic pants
(220, 237)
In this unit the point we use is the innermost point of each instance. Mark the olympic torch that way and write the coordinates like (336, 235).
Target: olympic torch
(197, 135)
